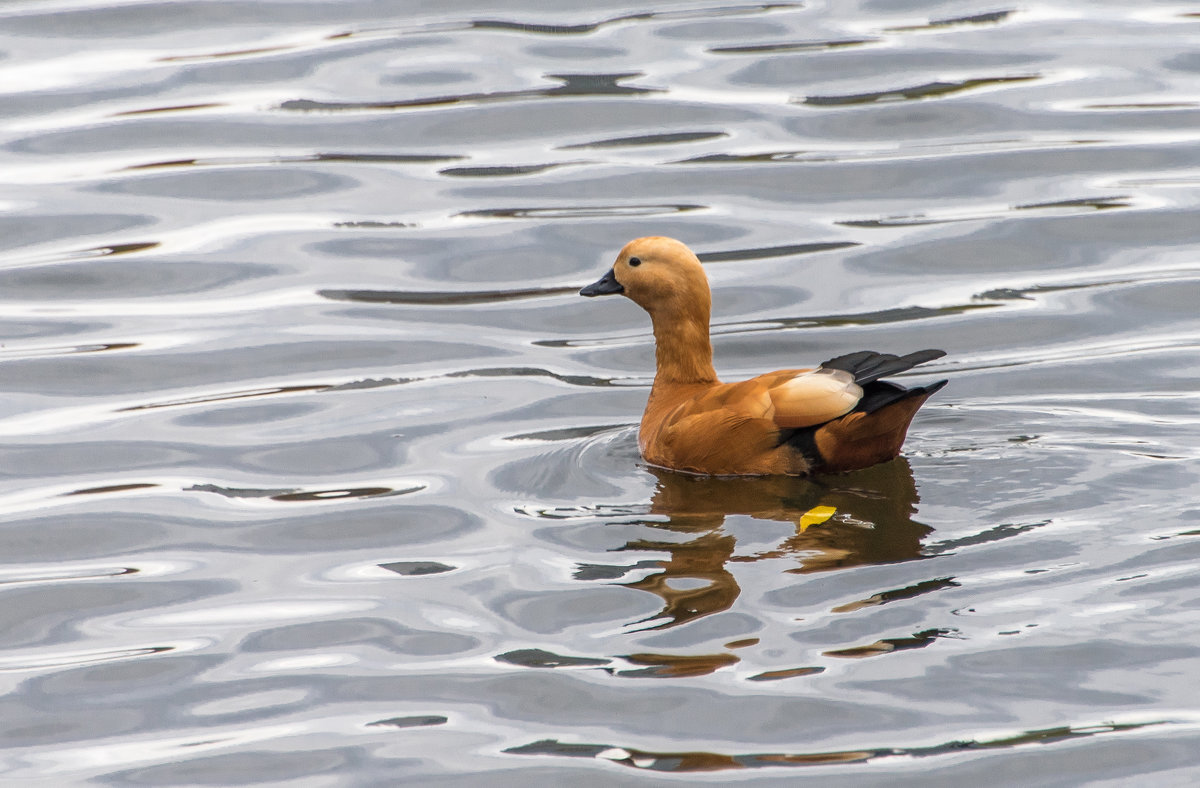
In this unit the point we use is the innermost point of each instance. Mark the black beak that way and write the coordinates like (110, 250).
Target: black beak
(605, 285)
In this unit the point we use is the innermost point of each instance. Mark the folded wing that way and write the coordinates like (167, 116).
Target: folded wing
(813, 397)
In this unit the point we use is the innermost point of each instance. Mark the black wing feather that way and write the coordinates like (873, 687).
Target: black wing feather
(867, 366)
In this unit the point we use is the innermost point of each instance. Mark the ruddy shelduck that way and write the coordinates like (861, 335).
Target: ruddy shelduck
(837, 417)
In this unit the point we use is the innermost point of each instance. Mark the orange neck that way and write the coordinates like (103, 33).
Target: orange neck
(682, 349)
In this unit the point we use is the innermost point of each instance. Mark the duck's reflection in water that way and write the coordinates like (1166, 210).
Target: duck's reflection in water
(864, 517)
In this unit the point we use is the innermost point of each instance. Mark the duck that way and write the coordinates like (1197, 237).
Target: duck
(839, 416)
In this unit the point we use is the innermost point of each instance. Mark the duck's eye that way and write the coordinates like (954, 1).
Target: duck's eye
(635, 261)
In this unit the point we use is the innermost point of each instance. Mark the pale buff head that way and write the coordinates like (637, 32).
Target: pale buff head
(661, 275)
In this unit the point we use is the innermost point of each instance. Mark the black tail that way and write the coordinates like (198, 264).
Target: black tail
(881, 393)
(867, 366)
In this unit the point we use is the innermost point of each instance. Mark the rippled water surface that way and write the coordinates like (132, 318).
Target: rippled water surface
(317, 471)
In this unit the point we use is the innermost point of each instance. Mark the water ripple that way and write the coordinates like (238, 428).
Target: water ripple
(684, 762)
(796, 46)
(70, 659)
(64, 350)
(503, 171)
(359, 158)
(988, 18)
(925, 91)
(669, 138)
(573, 85)
(306, 496)
(443, 298)
(581, 212)
(583, 28)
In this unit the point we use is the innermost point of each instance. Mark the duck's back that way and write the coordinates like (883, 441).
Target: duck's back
(834, 418)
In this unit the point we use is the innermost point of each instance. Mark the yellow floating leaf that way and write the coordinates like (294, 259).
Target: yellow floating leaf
(816, 516)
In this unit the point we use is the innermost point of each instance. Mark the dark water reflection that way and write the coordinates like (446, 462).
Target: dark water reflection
(315, 470)
(839, 521)
(711, 761)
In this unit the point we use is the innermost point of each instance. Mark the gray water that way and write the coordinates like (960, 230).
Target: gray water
(316, 470)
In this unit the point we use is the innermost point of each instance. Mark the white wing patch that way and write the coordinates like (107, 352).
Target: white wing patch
(814, 397)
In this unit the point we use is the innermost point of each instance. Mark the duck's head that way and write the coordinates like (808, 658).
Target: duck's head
(659, 274)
